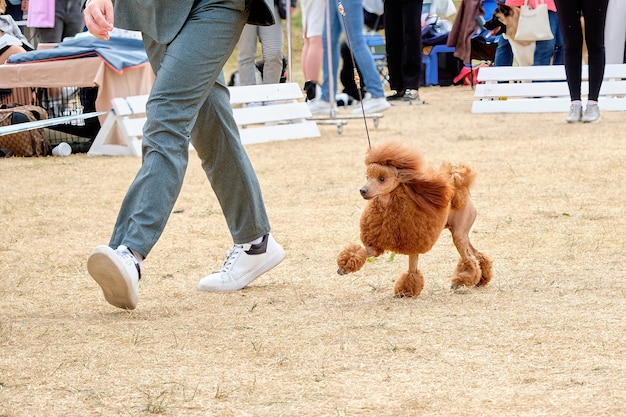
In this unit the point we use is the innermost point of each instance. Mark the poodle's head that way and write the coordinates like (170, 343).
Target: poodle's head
(388, 166)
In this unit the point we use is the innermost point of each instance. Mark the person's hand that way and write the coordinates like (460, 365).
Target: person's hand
(99, 18)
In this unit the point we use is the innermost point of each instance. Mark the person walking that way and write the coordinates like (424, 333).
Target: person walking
(189, 101)
(594, 13)
(403, 33)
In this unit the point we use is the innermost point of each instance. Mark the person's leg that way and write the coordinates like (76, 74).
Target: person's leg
(333, 33)
(73, 21)
(594, 12)
(394, 44)
(569, 12)
(174, 103)
(228, 167)
(53, 34)
(544, 50)
(271, 38)
(412, 45)
(362, 54)
(558, 42)
(346, 75)
(615, 32)
(504, 53)
(246, 55)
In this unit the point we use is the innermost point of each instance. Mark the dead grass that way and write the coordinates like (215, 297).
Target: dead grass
(545, 338)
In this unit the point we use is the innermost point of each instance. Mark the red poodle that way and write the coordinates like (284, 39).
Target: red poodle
(408, 207)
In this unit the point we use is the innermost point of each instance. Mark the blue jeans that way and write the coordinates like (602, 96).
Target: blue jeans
(360, 50)
(190, 101)
(544, 50)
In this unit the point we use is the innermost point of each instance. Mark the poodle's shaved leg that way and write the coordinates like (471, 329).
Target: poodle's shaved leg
(410, 283)
(468, 271)
(353, 257)
(474, 268)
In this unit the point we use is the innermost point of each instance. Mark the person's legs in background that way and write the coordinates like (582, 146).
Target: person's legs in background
(246, 55)
(313, 18)
(353, 20)
(330, 38)
(615, 32)
(594, 12)
(271, 38)
(571, 29)
(394, 47)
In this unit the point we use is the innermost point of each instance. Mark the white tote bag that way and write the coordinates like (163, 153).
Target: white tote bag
(534, 24)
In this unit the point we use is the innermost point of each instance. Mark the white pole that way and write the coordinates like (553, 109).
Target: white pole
(331, 81)
(288, 11)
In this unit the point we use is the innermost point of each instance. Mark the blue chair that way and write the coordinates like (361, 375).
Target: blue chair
(431, 63)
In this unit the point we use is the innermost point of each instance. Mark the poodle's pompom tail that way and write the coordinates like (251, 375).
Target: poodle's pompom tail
(394, 154)
(462, 177)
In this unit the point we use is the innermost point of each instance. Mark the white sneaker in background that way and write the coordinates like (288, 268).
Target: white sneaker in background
(592, 113)
(372, 105)
(575, 113)
(319, 106)
(243, 265)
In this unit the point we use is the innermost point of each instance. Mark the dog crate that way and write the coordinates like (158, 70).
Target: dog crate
(63, 101)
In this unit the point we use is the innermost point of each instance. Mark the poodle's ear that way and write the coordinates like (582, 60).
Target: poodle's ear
(431, 192)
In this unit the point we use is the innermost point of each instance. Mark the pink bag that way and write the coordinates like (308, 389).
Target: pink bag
(40, 14)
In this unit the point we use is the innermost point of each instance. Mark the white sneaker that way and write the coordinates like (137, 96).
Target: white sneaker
(243, 265)
(319, 106)
(372, 105)
(117, 272)
(575, 113)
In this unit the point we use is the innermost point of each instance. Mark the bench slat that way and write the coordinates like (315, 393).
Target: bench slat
(545, 89)
(542, 89)
(265, 92)
(268, 114)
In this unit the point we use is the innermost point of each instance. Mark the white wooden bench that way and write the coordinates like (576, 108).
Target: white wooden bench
(540, 89)
(263, 113)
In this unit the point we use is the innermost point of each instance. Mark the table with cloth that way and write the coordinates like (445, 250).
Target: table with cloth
(118, 67)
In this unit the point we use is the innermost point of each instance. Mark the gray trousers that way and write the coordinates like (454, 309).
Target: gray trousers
(190, 101)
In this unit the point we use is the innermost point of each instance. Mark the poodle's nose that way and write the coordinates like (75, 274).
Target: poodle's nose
(363, 191)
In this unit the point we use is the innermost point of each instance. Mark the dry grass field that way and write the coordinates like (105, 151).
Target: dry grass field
(547, 337)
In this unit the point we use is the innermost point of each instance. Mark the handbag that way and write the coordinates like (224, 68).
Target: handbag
(26, 143)
(41, 14)
(534, 24)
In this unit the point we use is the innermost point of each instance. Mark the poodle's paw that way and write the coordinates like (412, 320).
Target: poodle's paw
(486, 268)
(410, 284)
(467, 273)
(351, 259)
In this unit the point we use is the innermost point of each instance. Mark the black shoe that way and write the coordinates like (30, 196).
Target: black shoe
(310, 89)
(398, 95)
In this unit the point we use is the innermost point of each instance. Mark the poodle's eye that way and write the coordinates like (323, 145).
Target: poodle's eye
(381, 179)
